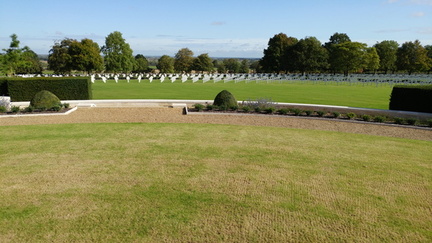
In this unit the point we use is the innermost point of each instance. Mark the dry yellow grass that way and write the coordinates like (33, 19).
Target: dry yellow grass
(211, 183)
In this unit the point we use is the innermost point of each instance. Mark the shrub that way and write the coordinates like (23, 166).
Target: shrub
(56, 108)
(366, 118)
(411, 98)
(15, 109)
(398, 120)
(308, 112)
(66, 105)
(379, 119)
(2, 109)
(270, 110)
(257, 109)
(351, 115)
(210, 107)
(225, 98)
(246, 108)
(320, 113)
(429, 122)
(297, 112)
(283, 111)
(44, 99)
(234, 107)
(411, 121)
(29, 109)
(199, 107)
(336, 114)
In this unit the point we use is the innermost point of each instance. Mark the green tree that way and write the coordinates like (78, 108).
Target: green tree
(12, 56)
(412, 57)
(371, 59)
(166, 64)
(337, 38)
(348, 56)
(309, 55)
(70, 54)
(275, 58)
(141, 64)
(118, 54)
(85, 56)
(232, 65)
(387, 54)
(429, 54)
(29, 62)
(244, 66)
(183, 60)
(59, 59)
(203, 63)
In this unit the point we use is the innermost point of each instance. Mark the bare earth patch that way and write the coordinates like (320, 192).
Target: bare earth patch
(175, 115)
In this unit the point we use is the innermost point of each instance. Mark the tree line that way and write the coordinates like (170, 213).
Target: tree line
(341, 55)
(283, 54)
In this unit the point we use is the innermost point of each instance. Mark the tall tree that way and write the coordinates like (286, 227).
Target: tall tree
(244, 66)
(371, 59)
(70, 54)
(166, 64)
(232, 65)
(59, 59)
(387, 54)
(337, 38)
(412, 57)
(348, 56)
(12, 56)
(309, 55)
(429, 54)
(183, 60)
(274, 59)
(85, 56)
(141, 64)
(29, 62)
(118, 54)
(203, 63)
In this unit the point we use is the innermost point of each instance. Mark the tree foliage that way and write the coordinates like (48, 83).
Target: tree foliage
(348, 56)
(275, 58)
(183, 60)
(70, 54)
(166, 64)
(18, 60)
(118, 54)
(203, 63)
(141, 64)
(412, 57)
(309, 55)
(387, 54)
(231, 65)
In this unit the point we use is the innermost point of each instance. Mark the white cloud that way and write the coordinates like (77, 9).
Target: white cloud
(418, 14)
(421, 2)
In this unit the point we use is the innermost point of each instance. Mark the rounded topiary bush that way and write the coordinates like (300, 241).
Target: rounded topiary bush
(44, 100)
(225, 99)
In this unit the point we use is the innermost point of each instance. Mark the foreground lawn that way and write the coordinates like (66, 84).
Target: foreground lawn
(289, 92)
(211, 183)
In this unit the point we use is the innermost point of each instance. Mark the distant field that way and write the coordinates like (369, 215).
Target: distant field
(211, 183)
(290, 92)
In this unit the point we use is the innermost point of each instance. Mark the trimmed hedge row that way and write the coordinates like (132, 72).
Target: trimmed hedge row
(70, 88)
(411, 98)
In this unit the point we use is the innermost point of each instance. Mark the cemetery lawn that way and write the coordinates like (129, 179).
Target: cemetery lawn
(211, 183)
(368, 96)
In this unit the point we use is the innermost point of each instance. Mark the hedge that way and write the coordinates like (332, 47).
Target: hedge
(3, 88)
(411, 98)
(70, 88)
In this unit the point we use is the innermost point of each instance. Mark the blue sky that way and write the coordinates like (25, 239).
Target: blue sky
(221, 28)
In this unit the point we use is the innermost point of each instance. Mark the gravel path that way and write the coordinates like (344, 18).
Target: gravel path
(175, 115)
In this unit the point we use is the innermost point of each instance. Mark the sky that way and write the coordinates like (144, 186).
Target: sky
(221, 28)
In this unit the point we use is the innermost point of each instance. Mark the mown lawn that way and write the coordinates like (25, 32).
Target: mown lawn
(368, 96)
(211, 183)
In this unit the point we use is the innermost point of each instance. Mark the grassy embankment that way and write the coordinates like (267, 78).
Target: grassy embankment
(156, 182)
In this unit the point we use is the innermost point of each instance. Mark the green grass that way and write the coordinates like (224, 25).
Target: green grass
(170, 182)
(289, 92)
